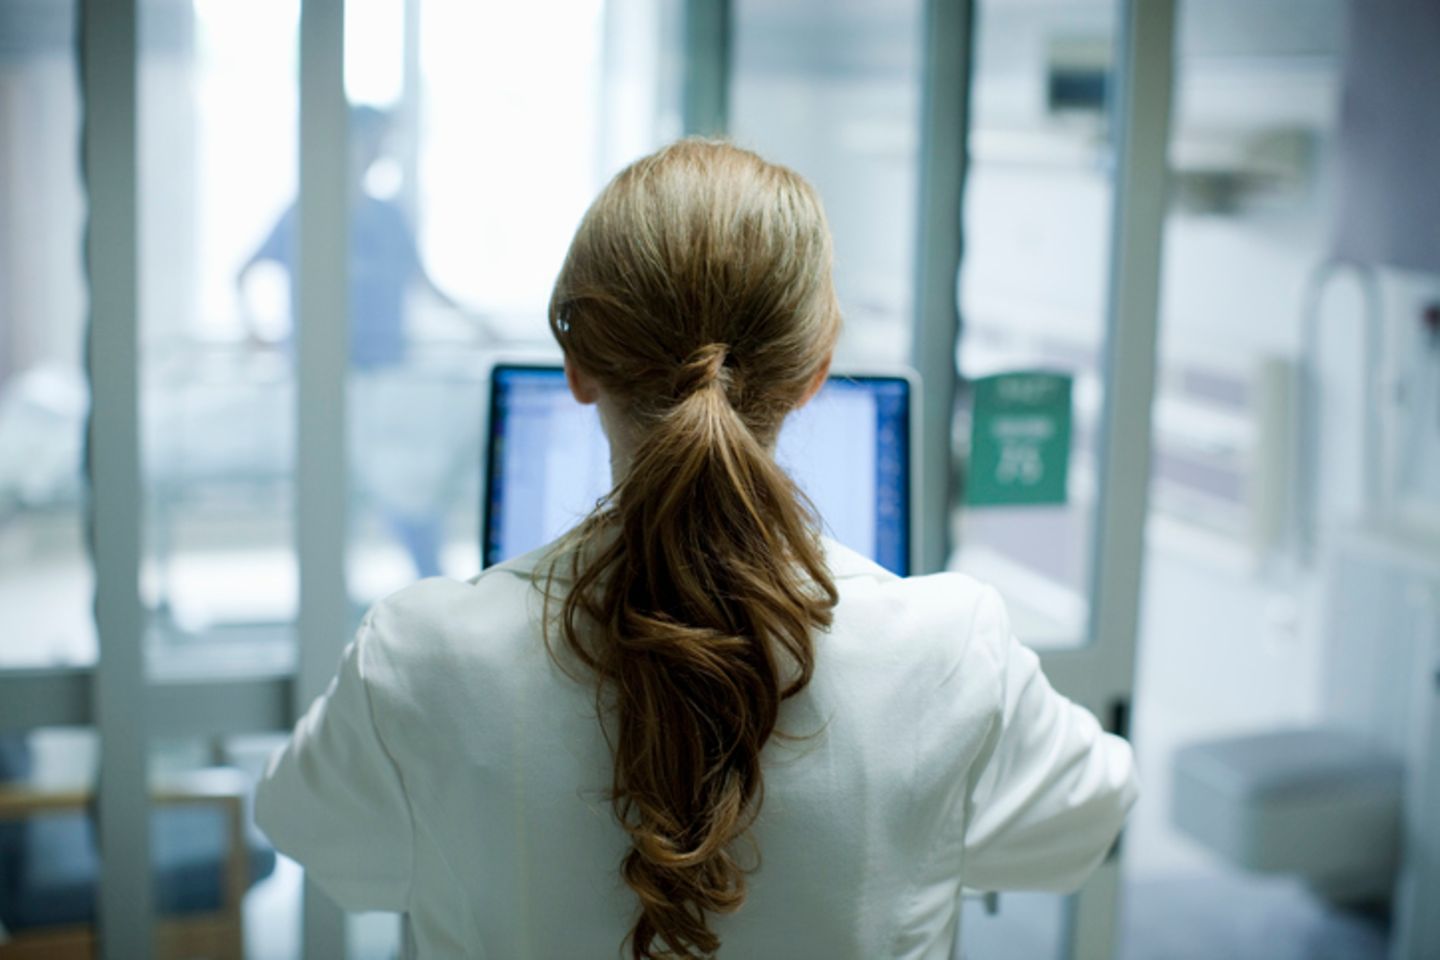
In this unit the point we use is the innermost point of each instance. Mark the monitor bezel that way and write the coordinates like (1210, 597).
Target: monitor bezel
(910, 378)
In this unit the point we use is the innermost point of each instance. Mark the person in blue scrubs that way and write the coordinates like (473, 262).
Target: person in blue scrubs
(384, 265)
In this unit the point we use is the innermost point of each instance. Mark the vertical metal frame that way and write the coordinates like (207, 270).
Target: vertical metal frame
(1416, 924)
(944, 133)
(705, 100)
(119, 705)
(1100, 674)
(109, 55)
(1144, 75)
(322, 354)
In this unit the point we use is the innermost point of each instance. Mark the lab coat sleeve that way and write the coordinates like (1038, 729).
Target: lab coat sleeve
(1052, 795)
(333, 798)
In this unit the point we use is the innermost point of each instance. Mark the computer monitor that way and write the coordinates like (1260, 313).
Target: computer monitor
(850, 449)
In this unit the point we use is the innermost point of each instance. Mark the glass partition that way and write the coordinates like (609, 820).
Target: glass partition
(479, 135)
(833, 90)
(1229, 640)
(1033, 286)
(217, 145)
(46, 579)
(1033, 300)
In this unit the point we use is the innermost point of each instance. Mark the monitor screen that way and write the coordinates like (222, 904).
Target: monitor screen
(548, 462)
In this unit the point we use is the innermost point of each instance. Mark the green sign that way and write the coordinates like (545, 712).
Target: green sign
(1019, 439)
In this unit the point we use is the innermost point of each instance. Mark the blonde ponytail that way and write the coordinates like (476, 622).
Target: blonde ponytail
(697, 292)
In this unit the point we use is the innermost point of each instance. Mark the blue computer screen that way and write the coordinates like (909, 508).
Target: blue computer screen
(549, 463)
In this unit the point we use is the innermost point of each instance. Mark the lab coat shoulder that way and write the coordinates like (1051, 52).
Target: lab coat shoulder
(337, 797)
(439, 636)
(334, 798)
(930, 623)
(1048, 789)
(421, 632)
(451, 661)
(1051, 789)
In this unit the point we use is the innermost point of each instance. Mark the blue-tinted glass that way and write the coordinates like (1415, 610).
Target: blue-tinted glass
(46, 581)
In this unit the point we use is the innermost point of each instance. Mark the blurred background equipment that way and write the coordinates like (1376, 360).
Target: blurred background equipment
(1349, 805)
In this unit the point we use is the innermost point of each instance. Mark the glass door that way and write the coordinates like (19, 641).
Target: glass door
(1032, 298)
(49, 646)
(216, 127)
(1059, 295)
(1033, 288)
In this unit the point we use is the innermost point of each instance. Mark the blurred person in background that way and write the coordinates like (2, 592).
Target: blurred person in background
(397, 471)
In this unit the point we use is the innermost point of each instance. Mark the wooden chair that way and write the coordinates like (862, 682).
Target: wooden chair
(184, 929)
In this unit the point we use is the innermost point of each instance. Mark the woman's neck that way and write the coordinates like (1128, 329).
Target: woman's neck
(621, 435)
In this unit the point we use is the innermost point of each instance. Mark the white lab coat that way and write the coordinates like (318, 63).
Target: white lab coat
(455, 773)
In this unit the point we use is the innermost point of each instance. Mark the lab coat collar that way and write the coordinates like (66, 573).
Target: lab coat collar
(554, 559)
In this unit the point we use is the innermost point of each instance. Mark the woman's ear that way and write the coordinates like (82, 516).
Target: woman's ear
(582, 386)
(820, 376)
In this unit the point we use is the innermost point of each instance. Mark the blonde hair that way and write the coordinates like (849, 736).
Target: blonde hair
(697, 292)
